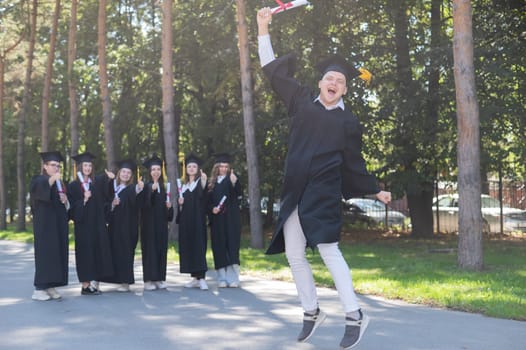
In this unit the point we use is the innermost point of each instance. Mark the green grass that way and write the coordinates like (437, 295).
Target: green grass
(417, 271)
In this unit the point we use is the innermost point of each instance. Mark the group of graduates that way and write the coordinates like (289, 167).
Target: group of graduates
(111, 212)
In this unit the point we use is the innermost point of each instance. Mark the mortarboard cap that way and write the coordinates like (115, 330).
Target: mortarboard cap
(51, 156)
(84, 157)
(127, 163)
(222, 158)
(154, 160)
(337, 63)
(192, 158)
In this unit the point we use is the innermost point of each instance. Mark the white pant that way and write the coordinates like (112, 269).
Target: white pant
(295, 245)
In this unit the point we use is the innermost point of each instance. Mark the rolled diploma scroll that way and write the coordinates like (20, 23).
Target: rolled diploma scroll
(59, 186)
(289, 5)
(115, 188)
(180, 188)
(222, 202)
(168, 192)
(85, 184)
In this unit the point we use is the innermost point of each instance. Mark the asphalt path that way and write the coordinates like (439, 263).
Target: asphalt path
(262, 314)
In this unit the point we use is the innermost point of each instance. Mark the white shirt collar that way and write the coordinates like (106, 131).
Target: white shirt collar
(337, 105)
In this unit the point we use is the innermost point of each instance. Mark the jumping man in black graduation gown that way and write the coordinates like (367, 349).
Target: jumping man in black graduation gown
(156, 213)
(191, 217)
(87, 195)
(225, 223)
(49, 205)
(324, 163)
(123, 225)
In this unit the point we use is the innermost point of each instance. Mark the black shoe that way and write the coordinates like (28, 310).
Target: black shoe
(310, 323)
(89, 290)
(354, 329)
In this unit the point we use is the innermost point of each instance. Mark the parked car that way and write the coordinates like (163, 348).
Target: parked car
(372, 212)
(513, 219)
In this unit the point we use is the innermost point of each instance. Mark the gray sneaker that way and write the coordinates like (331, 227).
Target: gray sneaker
(354, 329)
(310, 323)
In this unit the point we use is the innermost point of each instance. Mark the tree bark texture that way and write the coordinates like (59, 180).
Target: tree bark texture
(104, 90)
(170, 121)
(72, 83)
(48, 78)
(468, 146)
(256, 228)
(20, 168)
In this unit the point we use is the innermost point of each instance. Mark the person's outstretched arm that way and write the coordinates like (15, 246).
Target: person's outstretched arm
(265, 51)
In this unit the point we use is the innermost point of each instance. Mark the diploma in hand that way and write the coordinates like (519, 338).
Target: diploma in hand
(59, 186)
(287, 6)
(84, 183)
(180, 188)
(168, 194)
(221, 203)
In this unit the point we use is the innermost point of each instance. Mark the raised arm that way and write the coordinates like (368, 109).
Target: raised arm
(265, 51)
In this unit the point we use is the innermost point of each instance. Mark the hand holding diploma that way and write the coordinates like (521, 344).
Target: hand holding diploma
(217, 209)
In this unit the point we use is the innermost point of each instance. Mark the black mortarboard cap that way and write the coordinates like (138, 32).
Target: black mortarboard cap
(154, 160)
(84, 157)
(337, 63)
(192, 158)
(51, 156)
(222, 158)
(127, 163)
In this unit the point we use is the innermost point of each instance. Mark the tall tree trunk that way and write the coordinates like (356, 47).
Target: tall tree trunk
(104, 90)
(72, 82)
(256, 226)
(48, 77)
(3, 193)
(420, 192)
(468, 147)
(170, 120)
(20, 169)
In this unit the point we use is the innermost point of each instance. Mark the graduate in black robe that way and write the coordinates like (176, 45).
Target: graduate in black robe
(156, 213)
(191, 217)
(324, 164)
(225, 222)
(123, 224)
(49, 206)
(87, 195)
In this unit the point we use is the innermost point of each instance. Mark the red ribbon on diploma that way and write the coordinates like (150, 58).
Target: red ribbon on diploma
(287, 6)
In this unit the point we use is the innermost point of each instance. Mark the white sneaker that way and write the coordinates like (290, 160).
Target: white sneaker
(202, 284)
(233, 285)
(95, 284)
(161, 284)
(149, 286)
(124, 287)
(222, 284)
(194, 283)
(53, 293)
(40, 295)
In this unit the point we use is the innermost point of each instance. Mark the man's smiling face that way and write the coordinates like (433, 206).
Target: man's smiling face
(332, 86)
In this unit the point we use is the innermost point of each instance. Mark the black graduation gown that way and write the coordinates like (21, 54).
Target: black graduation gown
(50, 229)
(92, 243)
(191, 218)
(324, 160)
(225, 227)
(154, 233)
(123, 231)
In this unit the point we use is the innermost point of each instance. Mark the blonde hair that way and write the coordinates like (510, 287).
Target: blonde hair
(119, 178)
(214, 175)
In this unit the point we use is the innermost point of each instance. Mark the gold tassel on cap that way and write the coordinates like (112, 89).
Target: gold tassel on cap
(74, 175)
(365, 76)
(183, 171)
